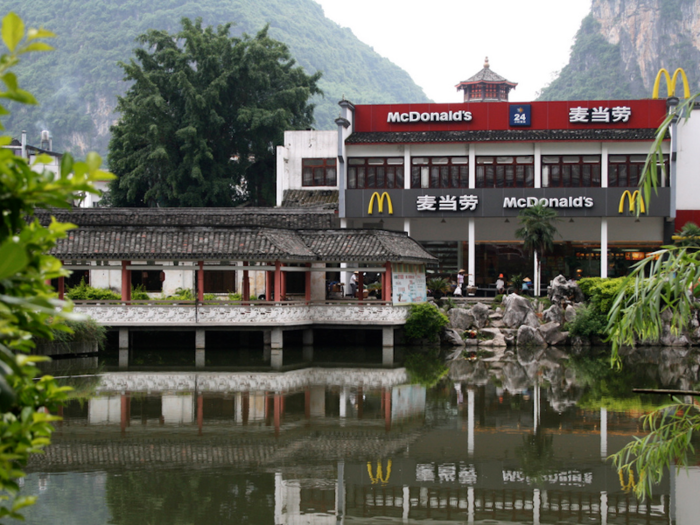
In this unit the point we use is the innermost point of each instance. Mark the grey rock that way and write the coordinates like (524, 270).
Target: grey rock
(509, 339)
(553, 314)
(497, 337)
(452, 337)
(461, 319)
(498, 314)
(518, 312)
(481, 314)
(562, 291)
(530, 337)
(497, 323)
(552, 334)
(569, 313)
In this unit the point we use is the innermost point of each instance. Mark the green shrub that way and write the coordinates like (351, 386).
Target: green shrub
(87, 331)
(209, 297)
(587, 322)
(424, 321)
(498, 300)
(600, 292)
(185, 294)
(139, 293)
(425, 368)
(84, 292)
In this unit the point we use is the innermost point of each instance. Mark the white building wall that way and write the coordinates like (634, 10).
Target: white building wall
(688, 163)
(300, 145)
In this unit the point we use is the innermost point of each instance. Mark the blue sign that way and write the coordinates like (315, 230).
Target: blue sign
(520, 115)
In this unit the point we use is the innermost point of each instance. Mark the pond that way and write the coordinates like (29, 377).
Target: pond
(495, 442)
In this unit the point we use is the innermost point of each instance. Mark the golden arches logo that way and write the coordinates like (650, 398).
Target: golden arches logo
(379, 477)
(632, 198)
(671, 83)
(380, 200)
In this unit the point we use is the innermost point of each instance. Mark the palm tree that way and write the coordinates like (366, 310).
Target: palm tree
(537, 231)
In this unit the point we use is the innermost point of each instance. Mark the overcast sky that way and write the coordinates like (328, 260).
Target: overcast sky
(442, 42)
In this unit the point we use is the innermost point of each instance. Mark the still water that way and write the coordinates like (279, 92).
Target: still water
(499, 442)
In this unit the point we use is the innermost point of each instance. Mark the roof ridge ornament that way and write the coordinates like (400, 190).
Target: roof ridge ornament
(486, 63)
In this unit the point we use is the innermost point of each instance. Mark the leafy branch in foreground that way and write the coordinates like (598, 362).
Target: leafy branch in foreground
(644, 304)
(29, 308)
(641, 463)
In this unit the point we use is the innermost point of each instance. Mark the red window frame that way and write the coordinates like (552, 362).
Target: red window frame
(375, 172)
(319, 172)
(571, 171)
(624, 171)
(443, 172)
(506, 171)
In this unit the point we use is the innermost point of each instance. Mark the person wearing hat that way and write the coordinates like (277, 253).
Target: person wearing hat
(460, 283)
(500, 284)
(527, 285)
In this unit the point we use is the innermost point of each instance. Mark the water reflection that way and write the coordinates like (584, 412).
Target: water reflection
(514, 441)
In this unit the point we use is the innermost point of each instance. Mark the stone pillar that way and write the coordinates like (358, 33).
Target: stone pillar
(123, 348)
(277, 343)
(388, 355)
(199, 344)
(388, 336)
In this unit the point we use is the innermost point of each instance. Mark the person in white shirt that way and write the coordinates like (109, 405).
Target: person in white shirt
(500, 284)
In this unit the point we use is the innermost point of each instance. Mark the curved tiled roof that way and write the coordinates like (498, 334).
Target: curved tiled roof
(509, 135)
(237, 243)
(312, 217)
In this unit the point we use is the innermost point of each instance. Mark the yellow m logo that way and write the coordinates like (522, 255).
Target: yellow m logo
(632, 197)
(671, 83)
(380, 199)
(379, 477)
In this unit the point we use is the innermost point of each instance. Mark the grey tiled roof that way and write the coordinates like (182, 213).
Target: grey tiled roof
(237, 243)
(268, 217)
(510, 135)
(327, 199)
(486, 75)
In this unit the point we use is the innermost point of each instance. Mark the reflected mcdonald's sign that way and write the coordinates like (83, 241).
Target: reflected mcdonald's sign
(632, 198)
(671, 83)
(379, 478)
(380, 200)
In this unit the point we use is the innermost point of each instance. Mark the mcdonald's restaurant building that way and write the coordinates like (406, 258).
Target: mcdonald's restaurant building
(455, 176)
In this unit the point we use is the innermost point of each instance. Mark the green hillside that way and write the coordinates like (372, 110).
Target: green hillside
(77, 85)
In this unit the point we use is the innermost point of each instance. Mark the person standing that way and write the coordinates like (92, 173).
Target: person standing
(353, 283)
(460, 282)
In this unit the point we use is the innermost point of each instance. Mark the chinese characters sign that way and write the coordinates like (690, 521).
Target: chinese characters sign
(599, 115)
(446, 202)
(408, 284)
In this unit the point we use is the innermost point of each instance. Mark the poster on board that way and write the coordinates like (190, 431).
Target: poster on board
(408, 284)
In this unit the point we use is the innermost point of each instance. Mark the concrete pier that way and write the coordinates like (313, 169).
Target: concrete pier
(123, 348)
(276, 358)
(276, 338)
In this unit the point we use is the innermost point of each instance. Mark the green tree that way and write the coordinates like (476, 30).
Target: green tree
(537, 231)
(661, 289)
(688, 236)
(28, 306)
(201, 121)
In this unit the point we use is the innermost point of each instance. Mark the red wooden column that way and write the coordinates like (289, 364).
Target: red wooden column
(360, 286)
(387, 409)
(61, 287)
(126, 281)
(246, 407)
(307, 283)
(284, 284)
(269, 283)
(246, 285)
(125, 412)
(200, 413)
(387, 281)
(278, 281)
(200, 282)
(278, 413)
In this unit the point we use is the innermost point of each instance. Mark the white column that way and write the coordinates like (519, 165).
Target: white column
(603, 247)
(536, 407)
(604, 166)
(407, 168)
(407, 226)
(343, 401)
(470, 505)
(470, 422)
(406, 503)
(603, 508)
(538, 166)
(279, 498)
(472, 166)
(471, 254)
(536, 504)
(239, 407)
(536, 275)
(603, 433)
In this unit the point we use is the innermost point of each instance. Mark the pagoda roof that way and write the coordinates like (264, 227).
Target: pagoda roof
(486, 75)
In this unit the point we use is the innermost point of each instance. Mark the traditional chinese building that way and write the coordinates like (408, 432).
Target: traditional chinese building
(455, 176)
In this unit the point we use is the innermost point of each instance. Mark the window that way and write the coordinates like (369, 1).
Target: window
(505, 172)
(375, 172)
(625, 170)
(318, 172)
(571, 171)
(150, 280)
(490, 91)
(440, 172)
